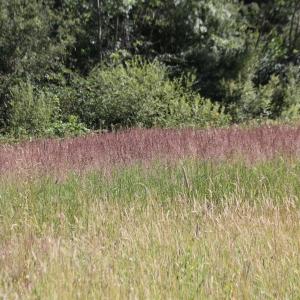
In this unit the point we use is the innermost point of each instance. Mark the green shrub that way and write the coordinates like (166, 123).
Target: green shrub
(252, 102)
(136, 94)
(31, 111)
(140, 94)
(291, 101)
(71, 127)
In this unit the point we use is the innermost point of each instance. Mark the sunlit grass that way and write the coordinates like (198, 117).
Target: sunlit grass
(190, 230)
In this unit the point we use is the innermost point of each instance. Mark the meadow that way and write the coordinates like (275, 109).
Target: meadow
(152, 214)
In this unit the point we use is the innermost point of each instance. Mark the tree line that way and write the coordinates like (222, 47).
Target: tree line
(69, 66)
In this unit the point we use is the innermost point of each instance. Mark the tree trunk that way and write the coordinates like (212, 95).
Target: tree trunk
(99, 31)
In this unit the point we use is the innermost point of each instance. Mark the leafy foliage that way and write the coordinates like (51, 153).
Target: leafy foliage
(291, 104)
(238, 53)
(71, 127)
(141, 94)
(31, 111)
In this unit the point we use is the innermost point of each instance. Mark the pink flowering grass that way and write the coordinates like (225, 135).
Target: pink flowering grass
(103, 151)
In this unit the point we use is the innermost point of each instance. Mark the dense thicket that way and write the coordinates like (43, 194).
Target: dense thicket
(69, 65)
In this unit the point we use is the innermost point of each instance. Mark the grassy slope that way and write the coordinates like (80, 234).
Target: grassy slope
(187, 230)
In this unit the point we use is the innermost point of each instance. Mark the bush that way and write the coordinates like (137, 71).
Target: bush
(71, 127)
(291, 101)
(31, 112)
(253, 102)
(140, 94)
(135, 94)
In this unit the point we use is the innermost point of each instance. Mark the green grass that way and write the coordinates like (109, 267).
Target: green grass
(190, 230)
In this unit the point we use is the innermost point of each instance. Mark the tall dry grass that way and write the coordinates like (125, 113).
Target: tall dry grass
(156, 215)
(138, 145)
(153, 252)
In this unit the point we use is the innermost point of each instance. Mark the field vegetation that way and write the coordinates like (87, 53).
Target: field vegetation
(149, 149)
(69, 67)
(182, 219)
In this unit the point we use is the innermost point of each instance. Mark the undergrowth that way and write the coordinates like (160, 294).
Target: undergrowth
(184, 230)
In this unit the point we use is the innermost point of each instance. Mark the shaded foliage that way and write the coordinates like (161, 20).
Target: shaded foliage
(238, 54)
